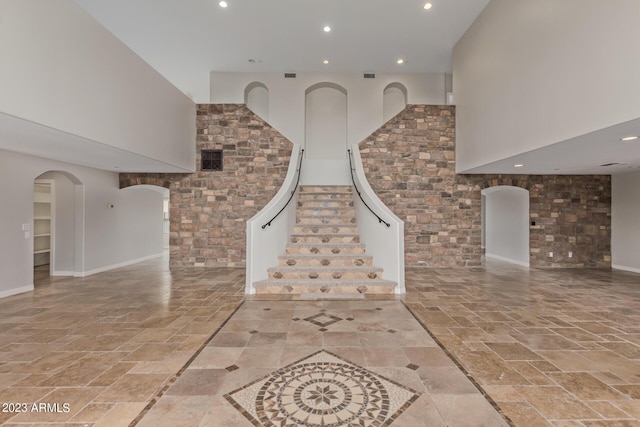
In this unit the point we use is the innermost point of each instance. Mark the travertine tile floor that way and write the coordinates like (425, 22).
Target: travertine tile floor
(559, 348)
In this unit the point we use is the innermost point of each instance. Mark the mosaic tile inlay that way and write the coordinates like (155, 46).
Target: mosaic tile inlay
(322, 390)
(323, 319)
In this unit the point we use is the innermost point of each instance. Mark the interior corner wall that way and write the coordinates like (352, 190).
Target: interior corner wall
(528, 74)
(625, 234)
(209, 209)
(364, 97)
(106, 238)
(62, 69)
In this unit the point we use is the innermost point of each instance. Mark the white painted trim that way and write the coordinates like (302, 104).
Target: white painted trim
(386, 244)
(625, 268)
(62, 273)
(501, 258)
(114, 266)
(264, 245)
(16, 291)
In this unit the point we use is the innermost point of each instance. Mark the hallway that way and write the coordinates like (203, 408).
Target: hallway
(556, 348)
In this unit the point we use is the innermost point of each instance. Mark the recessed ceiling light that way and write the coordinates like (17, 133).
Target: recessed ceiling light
(629, 138)
(519, 165)
(223, 4)
(400, 61)
(326, 29)
(428, 6)
(325, 62)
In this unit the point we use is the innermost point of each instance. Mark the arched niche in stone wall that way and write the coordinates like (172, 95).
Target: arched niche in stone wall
(256, 97)
(394, 100)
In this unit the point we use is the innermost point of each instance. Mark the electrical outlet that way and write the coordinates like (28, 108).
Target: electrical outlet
(550, 254)
(27, 234)
(570, 254)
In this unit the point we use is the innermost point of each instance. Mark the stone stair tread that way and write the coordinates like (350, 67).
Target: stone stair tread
(325, 268)
(324, 256)
(320, 282)
(325, 234)
(329, 244)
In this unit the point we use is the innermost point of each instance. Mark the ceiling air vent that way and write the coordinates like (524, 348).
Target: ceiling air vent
(369, 76)
(615, 163)
(289, 75)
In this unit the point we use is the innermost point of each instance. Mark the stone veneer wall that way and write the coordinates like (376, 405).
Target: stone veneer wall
(410, 164)
(208, 210)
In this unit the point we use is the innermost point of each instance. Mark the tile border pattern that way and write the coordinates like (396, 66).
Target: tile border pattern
(184, 367)
(461, 367)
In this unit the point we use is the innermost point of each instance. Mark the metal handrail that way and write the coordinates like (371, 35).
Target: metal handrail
(268, 224)
(358, 192)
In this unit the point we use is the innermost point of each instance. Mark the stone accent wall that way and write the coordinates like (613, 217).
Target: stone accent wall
(410, 164)
(208, 210)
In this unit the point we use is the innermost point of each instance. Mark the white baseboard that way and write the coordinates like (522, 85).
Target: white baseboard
(114, 266)
(62, 273)
(501, 258)
(625, 268)
(16, 291)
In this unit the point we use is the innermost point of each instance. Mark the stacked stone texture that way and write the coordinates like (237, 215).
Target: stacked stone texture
(410, 164)
(209, 209)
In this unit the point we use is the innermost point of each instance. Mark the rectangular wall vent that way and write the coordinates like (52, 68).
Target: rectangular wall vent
(369, 76)
(289, 75)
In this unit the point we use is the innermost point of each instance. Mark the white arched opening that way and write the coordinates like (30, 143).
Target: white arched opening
(325, 135)
(58, 223)
(154, 228)
(256, 97)
(394, 100)
(505, 224)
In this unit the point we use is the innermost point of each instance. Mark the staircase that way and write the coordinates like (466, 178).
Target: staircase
(324, 255)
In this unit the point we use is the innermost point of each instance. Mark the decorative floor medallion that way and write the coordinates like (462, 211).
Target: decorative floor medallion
(322, 390)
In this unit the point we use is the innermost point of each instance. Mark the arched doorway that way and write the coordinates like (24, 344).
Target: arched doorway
(505, 224)
(394, 100)
(325, 135)
(163, 212)
(58, 224)
(256, 97)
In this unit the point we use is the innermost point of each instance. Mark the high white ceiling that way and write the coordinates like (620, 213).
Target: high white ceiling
(185, 40)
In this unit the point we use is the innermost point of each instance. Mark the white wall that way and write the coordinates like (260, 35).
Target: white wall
(507, 224)
(112, 237)
(364, 97)
(62, 69)
(625, 229)
(532, 73)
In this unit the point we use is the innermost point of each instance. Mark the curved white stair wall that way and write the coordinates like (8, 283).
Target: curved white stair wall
(385, 244)
(264, 245)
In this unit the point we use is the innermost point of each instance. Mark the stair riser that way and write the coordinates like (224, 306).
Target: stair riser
(325, 262)
(324, 250)
(319, 220)
(331, 204)
(325, 197)
(350, 212)
(286, 274)
(320, 229)
(344, 189)
(325, 289)
(325, 239)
